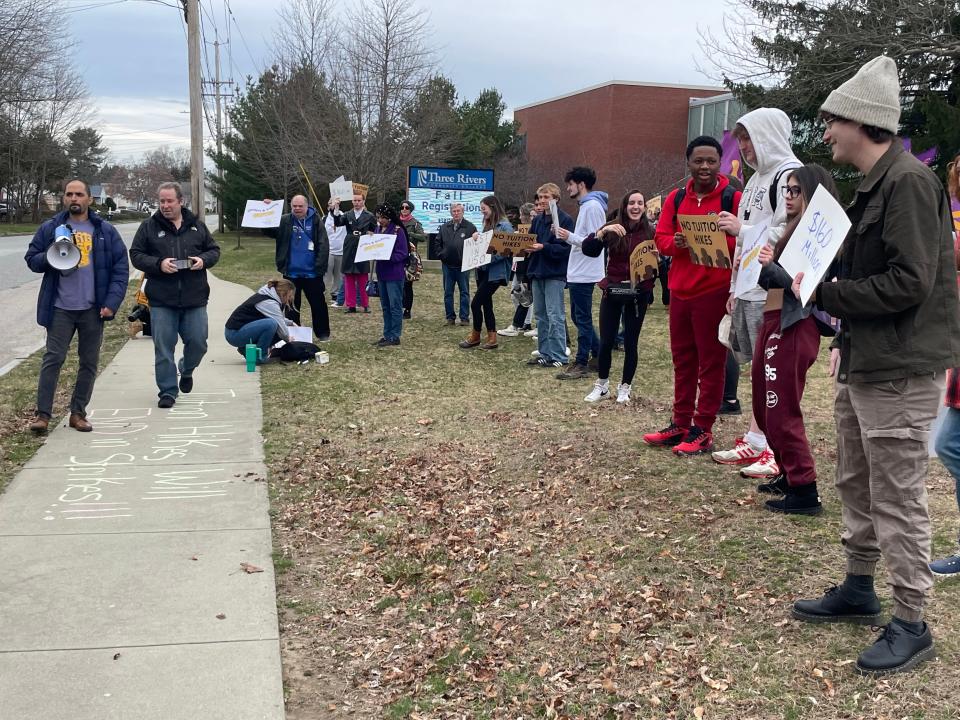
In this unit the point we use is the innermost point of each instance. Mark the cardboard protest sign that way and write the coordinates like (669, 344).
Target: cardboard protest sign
(259, 214)
(342, 189)
(754, 238)
(523, 229)
(816, 241)
(360, 189)
(654, 204)
(706, 241)
(511, 243)
(375, 247)
(644, 262)
(475, 251)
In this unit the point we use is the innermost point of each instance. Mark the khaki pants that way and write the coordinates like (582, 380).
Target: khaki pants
(882, 460)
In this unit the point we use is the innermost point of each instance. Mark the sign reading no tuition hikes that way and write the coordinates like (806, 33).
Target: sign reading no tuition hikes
(706, 241)
(644, 263)
(511, 243)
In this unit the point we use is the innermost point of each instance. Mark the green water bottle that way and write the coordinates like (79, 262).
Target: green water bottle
(252, 354)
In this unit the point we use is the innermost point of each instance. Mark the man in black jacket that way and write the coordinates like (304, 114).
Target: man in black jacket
(358, 221)
(302, 253)
(174, 248)
(450, 251)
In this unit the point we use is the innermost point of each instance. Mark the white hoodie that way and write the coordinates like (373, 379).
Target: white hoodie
(770, 130)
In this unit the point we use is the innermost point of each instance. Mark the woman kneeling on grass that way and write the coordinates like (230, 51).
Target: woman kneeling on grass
(619, 299)
(259, 319)
(787, 347)
(490, 277)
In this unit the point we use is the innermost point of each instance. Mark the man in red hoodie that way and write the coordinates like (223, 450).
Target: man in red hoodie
(698, 304)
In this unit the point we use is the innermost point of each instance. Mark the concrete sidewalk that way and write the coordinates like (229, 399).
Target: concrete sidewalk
(121, 591)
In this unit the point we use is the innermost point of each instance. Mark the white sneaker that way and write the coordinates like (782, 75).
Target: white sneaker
(566, 351)
(530, 333)
(623, 393)
(508, 331)
(334, 304)
(764, 467)
(535, 353)
(743, 453)
(601, 390)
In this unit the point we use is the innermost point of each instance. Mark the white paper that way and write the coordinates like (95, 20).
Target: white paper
(754, 238)
(258, 214)
(375, 247)
(342, 189)
(300, 334)
(816, 241)
(475, 251)
(555, 215)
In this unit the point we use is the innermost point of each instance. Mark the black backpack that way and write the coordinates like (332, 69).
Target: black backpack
(298, 351)
(726, 199)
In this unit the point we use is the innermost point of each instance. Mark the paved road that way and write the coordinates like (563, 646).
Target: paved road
(18, 297)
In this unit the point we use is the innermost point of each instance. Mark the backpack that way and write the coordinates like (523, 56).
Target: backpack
(726, 199)
(298, 351)
(414, 267)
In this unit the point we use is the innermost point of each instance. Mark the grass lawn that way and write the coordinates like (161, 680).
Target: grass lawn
(17, 228)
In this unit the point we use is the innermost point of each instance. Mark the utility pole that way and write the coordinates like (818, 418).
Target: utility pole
(218, 127)
(192, 12)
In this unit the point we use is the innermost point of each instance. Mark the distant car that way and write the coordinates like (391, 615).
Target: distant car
(4, 211)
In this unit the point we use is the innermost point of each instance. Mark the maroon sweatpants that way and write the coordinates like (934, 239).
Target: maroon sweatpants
(699, 359)
(779, 373)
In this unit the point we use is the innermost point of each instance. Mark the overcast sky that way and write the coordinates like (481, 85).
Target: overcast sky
(133, 52)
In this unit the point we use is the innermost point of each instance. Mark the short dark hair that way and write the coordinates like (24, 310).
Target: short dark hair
(704, 141)
(878, 135)
(406, 203)
(86, 185)
(583, 175)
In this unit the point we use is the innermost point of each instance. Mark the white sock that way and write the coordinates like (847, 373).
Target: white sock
(758, 441)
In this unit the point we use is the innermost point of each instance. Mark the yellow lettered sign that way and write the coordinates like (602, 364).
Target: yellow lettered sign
(706, 241)
(644, 263)
(511, 244)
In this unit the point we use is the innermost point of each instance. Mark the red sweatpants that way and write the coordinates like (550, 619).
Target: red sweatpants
(699, 358)
(779, 374)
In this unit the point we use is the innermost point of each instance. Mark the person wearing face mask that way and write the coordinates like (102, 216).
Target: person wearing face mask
(449, 249)
(619, 299)
(787, 347)
(302, 255)
(357, 221)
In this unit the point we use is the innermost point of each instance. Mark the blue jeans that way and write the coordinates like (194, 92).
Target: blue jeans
(391, 301)
(551, 320)
(191, 326)
(947, 446)
(451, 277)
(581, 312)
(259, 332)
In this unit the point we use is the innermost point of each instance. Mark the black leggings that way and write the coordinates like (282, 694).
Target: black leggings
(632, 310)
(407, 296)
(482, 305)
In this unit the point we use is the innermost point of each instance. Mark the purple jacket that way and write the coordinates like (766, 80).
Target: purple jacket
(395, 267)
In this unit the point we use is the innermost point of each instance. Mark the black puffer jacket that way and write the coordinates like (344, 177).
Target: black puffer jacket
(156, 240)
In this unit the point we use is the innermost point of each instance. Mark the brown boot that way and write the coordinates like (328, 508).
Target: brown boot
(40, 425)
(473, 339)
(491, 343)
(79, 422)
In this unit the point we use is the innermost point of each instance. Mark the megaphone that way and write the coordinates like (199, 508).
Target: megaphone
(63, 255)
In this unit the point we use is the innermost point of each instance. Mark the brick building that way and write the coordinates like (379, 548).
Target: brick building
(633, 134)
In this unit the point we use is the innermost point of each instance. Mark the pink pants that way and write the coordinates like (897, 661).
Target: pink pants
(351, 281)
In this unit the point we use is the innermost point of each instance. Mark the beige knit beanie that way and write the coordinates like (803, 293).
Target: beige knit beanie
(871, 97)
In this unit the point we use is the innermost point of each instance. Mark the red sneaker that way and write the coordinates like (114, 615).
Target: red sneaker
(668, 437)
(696, 442)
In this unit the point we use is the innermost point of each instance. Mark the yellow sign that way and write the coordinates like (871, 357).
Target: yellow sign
(654, 204)
(511, 243)
(360, 189)
(523, 229)
(706, 241)
(644, 263)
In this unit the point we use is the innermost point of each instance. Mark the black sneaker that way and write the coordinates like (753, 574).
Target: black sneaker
(777, 485)
(833, 608)
(549, 364)
(186, 383)
(350, 311)
(166, 401)
(406, 314)
(323, 338)
(730, 407)
(380, 343)
(802, 500)
(896, 650)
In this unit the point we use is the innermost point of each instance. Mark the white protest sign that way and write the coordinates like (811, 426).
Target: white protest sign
(300, 334)
(342, 189)
(816, 241)
(754, 238)
(375, 247)
(475, 251)
(554, 215)
(259, 214)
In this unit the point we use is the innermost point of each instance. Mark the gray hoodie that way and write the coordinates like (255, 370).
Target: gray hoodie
(272, 307)
(770, 130)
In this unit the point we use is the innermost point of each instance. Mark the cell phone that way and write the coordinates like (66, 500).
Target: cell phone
(183, 264)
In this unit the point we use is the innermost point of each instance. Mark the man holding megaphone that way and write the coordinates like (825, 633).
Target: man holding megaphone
(85, 272)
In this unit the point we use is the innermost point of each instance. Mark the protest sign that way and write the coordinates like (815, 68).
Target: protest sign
(259, 214)
(706, 241)
(511, 243)
(816, 241)
(644, 263)
(475, 251)
(342, 189)
(554, 215)
(754, 238)
(523, 229)
(375, 247)
(300, 334)
(360, 189)
(654, 204)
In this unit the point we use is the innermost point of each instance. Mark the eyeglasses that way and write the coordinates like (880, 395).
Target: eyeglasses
(791, 191)
(829, 120)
